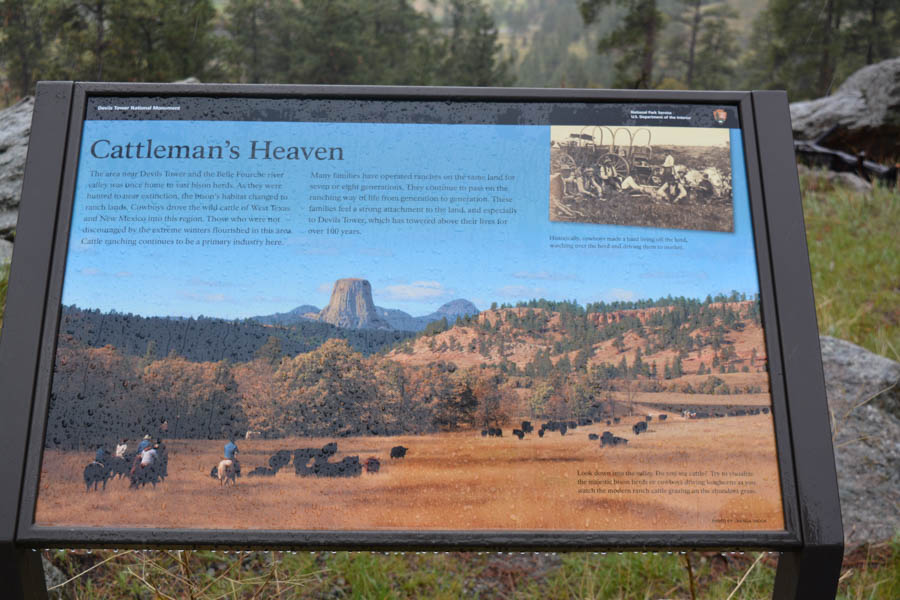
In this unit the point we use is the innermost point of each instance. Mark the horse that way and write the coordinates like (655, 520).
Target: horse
(121, 466)
(141, 476)
(94, 473)
(224, 472)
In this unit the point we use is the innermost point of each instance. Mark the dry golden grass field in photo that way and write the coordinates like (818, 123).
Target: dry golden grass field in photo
(457, 481)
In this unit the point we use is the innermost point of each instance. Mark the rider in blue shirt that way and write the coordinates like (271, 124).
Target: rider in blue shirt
(230, 450)
(145, 443)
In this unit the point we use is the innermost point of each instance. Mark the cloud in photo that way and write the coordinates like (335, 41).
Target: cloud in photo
(544, 276)
(415, 291)
(90, 271)
(521, 291)
(123, 274)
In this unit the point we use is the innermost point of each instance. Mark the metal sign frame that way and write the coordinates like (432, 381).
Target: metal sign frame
(812, 542)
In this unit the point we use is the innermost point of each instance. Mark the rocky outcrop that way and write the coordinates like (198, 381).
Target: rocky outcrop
(16, 127)
(864, 113)
(864, 399)
(351, 306)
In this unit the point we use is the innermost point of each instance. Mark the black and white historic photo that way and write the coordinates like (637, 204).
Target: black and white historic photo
(672, 177)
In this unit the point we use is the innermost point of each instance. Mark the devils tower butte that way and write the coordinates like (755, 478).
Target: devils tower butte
(351, 306)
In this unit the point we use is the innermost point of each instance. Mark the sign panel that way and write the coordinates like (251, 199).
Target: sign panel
(343, 320)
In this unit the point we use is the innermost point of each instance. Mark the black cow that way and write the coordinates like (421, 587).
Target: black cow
(649, 418)
(280, 459)
(484, 432)
(349, 466)
(372, 465)
(593, 436)
(639, 427)
(518, 433)
(304, 460)
(495, 432)
(541, 433)
(398, 452)
(96, 473)
(608, 439)
(261, 472)
(616, 420)
(608, 422)
(765, 410)
(563, 429)
(663, 417)
(527, 427)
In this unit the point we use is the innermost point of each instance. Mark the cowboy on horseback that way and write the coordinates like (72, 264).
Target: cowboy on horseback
(230, 450)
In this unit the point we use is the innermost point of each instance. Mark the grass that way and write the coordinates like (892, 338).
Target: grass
(856, 278)
(871, 573)
(854, 256)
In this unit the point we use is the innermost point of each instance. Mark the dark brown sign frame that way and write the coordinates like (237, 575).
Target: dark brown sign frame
(812, 543)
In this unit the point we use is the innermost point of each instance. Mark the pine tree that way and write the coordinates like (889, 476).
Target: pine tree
(635, 40)
(796, 45)
(23, 43)
(472, 48)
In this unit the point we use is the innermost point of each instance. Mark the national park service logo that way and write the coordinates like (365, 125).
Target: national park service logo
(720, 115)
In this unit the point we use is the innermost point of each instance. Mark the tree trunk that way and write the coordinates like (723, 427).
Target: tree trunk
(695, 27)
(826, 68)
(651, 25)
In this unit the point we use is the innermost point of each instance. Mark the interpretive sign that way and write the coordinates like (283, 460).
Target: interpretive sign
(364, 317)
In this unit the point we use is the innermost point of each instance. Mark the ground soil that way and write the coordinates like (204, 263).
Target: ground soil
(460, 481)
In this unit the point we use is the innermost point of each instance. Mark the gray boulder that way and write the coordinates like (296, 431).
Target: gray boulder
(15, 127)
(837, 179)
(6, 249)
(864, 112)
(864, 400)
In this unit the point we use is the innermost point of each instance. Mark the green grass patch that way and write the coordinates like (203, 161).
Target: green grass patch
(871, 573)
(854, 256)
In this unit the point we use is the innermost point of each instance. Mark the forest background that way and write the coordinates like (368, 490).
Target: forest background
(807, 47)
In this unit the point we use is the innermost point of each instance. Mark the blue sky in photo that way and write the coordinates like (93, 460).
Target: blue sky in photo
(415, 268)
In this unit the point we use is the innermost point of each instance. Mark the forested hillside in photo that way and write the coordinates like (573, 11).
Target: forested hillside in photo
(806, 47)
(537, 359)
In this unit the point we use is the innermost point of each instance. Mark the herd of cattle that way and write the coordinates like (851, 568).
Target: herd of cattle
(563, 427)
(738, 412)
(317, 462)
(313, 462)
